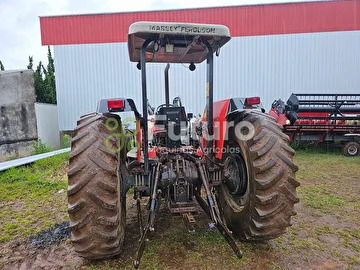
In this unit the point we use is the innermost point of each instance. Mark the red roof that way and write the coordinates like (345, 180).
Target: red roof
(328, 16)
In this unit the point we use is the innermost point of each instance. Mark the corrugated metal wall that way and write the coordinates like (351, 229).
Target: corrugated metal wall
(271, 66)
(252, 20)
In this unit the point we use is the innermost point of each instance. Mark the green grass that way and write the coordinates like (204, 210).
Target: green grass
(325, 229)
(313, 165)
(40, 147)
(320, 197)
(355, 233)
(29, 195)
(29, 202)
(324, 179)
(65, 141)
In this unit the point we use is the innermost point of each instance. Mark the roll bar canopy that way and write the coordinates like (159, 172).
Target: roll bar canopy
(175, 42)
(167, 42)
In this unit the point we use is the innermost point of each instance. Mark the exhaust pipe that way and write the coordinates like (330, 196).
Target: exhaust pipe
(167, 98)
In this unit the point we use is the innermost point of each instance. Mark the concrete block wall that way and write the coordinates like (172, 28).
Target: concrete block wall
(18, 129)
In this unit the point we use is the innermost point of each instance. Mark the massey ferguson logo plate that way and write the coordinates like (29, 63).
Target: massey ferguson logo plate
(182, 29)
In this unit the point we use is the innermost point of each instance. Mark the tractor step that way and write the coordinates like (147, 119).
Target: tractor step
(189, 222)
(183, 207)
(181, 210)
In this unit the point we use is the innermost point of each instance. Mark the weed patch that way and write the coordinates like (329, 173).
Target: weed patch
(40, 147)
(320, 197)
(28, 195)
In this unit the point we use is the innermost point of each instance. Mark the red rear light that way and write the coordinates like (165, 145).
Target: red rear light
(252, 101)
(116, 104)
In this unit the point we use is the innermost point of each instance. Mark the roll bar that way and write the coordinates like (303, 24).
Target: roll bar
(164, 42)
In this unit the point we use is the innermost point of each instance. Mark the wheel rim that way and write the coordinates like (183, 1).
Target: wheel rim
(352, 150)
(236, 182)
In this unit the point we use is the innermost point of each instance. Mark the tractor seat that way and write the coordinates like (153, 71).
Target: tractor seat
(164, 115)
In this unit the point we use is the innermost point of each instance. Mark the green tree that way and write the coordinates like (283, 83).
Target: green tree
(2, 66)
(30, 65)
(44, 79)
(50, 78)
(40, 90)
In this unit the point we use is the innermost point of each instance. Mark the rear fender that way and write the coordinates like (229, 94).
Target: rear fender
(220, 110)
(127, 106)
(233, 118)
(224, 113)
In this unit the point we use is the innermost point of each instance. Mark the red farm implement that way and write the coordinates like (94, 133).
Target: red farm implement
(321, 118)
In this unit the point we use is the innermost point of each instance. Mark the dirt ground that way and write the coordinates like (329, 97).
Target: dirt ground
(323, 236)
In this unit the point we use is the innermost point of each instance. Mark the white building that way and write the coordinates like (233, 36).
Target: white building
(276, 50)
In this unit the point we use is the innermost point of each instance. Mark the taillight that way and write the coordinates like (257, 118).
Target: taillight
(252, 101)
(116, 104)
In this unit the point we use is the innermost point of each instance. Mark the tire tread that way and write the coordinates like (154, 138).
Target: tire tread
(96, 212)
(272, 193)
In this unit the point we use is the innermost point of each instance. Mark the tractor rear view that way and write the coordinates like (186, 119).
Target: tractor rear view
(235, 164)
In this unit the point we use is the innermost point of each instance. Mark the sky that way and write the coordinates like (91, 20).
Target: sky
(20, 25)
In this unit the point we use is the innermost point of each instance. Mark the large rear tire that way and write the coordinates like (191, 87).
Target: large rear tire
(96, 210)
(258, 197)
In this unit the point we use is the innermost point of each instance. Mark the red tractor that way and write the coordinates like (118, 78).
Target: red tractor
(236, 163)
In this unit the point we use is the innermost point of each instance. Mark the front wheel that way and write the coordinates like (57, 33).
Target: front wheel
(258, 195)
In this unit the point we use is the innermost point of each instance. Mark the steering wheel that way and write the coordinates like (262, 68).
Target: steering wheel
(164, 105)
